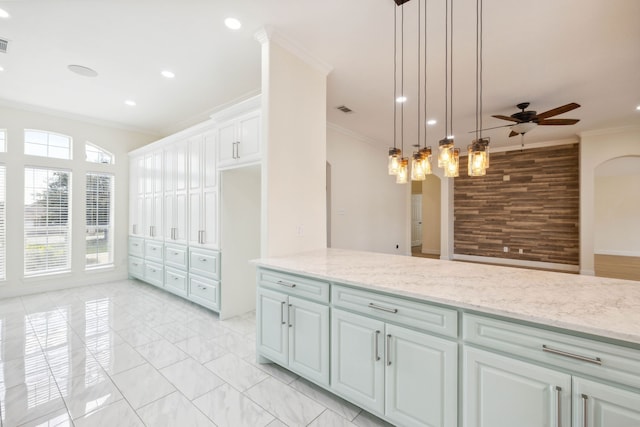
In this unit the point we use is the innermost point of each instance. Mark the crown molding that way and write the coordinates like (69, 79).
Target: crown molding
(355, 135)
(609, 131)
(269, 35)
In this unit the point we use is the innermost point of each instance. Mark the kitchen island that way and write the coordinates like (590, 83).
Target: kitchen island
(424, 342)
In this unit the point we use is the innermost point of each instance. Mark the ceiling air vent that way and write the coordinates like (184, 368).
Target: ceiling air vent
(3, 45)
(344, 109)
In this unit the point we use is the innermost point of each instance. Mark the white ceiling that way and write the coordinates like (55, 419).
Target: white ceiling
(547, 52)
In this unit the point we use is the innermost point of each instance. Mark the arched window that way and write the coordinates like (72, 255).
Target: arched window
(47, 144)
(95, 154)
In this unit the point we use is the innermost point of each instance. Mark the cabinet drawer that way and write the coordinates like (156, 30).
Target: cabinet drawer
(136, 247)
(205, 263)
(153, 250)
(175, 281)
(294, 285)
(176, 256)
(136, 267)
(419, 315)
(204, 291)
(591, 357)
(153, 273)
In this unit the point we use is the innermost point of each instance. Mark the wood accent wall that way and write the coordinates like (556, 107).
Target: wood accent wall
(536, 210)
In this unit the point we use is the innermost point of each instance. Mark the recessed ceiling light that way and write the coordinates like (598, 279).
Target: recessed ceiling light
(432, 122)
(168, 74)
(1, 68)
(130, 102)
(638, 108)
(232, 23)
(401, 99)
(4, 13)
(81, 70)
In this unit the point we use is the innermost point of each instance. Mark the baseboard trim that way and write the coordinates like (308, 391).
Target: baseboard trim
(518, 263)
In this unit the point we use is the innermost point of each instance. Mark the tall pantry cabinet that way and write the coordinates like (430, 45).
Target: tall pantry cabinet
(175, 212)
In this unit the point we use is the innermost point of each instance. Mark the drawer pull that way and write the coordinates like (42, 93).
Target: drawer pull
(377, 337)
(135, 264)
(203, 288)
(585, 410)
(134, 244)
(176, 278)
(176, 253)
(203, 260)
(153, 270)
(287, 284)
(379, 307)
(594, 360)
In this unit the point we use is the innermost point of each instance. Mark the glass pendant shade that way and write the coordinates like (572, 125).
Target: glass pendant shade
(452, 169)
(445, 152)
(394, 160)
(417, 169)
(477, 159)
(403, 171)
(425, 154)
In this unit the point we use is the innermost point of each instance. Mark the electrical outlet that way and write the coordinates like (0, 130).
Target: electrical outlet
(506, 178)
(506, 249)
(520, 251)
(300, 230)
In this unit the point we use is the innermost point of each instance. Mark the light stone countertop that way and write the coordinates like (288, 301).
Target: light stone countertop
(599, 306)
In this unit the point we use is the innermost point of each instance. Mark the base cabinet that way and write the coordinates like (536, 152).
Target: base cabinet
(503, 392)
(409, 377)
(600, 405)
(294, 332)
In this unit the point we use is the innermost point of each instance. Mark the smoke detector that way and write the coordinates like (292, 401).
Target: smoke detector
(82, 70)
(344, 109)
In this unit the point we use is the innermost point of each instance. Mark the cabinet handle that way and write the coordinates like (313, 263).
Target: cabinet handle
(135, 264)
(594, 360)
(233, 150)
(388, 350)
(289, 316)
(203, 260)
(379, 307)
(176, 253)
(585, 411)
(173, 234)
(204, 288)
(558, 405)
(134, 244)
(134, 228)
(238, 150)
(376, 338)
(282, 304)
(287, 284)
(175, 277)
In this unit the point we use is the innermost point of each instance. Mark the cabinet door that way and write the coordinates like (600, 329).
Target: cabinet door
(309, 339)
(357, 359)
(421, 379)
(600, 405)
(503, 392)
(227, 144)
(195, 208)
(249, 136)
(195, 163)
(273, 329)
(169, 207)
(180, 217)
(209, 219)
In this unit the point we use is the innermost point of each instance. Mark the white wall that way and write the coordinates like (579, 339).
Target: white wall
(617, 207)
(597, 147)
(114, 140)
(294, 147)
(369, 211)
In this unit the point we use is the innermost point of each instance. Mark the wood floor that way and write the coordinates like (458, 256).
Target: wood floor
(618, 267)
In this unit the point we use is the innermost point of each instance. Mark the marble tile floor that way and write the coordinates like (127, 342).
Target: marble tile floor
(128, 354)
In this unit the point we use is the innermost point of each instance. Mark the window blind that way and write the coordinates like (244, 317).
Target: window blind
(3, 224)
(99, 206)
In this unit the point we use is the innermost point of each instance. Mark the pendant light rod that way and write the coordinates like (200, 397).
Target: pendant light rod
(426, 48)
(395, 74)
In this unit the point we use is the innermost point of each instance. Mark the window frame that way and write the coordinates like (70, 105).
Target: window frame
(110, 226)
(48, 146)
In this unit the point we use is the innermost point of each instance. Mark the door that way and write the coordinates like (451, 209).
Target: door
(273, 329)
(421, 379)
(600, 405)
(416, 219)
(503, 392)
(309, 339)
(357, 359)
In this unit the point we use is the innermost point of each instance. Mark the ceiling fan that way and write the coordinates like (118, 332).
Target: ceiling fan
(527, 120)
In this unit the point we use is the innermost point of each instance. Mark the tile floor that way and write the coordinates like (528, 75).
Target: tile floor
(128, 354)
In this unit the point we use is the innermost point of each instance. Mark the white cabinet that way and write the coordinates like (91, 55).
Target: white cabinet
(152, 210)
(136, 196)
(600, 405)
(175, 192)
(294, 332)
(239, 141)
(500, 391)
(203, 192)
(408, 376)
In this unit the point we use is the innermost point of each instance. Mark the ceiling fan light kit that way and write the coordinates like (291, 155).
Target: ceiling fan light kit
(527, 120)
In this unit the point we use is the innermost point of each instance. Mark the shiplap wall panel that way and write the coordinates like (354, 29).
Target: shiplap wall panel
(537, 210)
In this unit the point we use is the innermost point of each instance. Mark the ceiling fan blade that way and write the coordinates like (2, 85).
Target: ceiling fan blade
(558, 122)
(495, 127)
(559, 110)
(511, 119)
(512, 133)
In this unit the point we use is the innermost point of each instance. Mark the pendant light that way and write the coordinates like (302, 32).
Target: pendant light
(448, 156)
(403, 164)
(421, 161)
(478, 151)
(395, 154)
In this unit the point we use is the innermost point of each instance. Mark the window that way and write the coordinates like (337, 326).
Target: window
(47, 221)
(3, 140)
(47, 144)
(95, 154)
(3, 227)
(99, 207)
